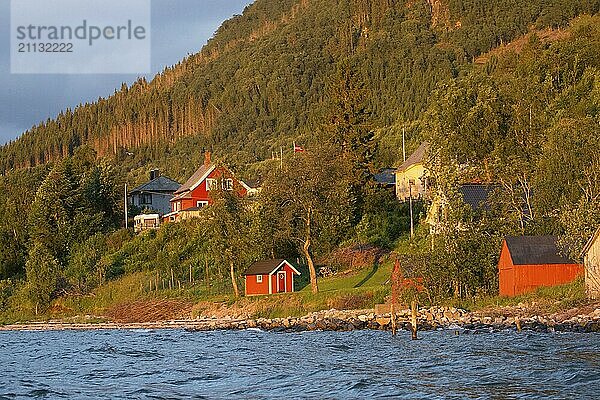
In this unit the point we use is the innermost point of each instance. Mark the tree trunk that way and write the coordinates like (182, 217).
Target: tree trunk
(233, 280)
(306, 250)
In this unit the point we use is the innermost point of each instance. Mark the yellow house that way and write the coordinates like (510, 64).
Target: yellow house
(411, 176)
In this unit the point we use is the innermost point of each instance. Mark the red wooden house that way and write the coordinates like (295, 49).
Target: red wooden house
(270, 276)
(195, 193)
(528, 262)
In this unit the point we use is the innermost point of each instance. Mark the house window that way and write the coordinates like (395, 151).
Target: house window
(228, 184)
(212, 184)
(259, 278)
(201, 204)
(145, 198)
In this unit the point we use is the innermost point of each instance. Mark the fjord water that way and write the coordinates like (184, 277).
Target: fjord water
(175, 364)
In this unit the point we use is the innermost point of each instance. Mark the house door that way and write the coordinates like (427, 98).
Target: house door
(281, 282)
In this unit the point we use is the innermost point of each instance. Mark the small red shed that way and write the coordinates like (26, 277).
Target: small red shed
(270, 276)
(528, 262)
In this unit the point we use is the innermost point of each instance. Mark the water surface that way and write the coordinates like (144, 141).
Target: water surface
(174, 364)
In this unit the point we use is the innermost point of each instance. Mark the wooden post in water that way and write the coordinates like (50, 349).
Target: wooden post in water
(396, 277)
(413, 319)
(393, 318)
(518, 324)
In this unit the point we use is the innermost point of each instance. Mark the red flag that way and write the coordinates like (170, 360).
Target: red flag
(298, 149)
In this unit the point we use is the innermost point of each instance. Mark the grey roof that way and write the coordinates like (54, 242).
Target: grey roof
(415, 158)
(160, 184)
(386, 177)
(253, 183)
(533, 250)
(200, 172)
(264, 267)
(477, 195)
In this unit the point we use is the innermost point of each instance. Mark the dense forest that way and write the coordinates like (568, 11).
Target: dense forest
(345, 79)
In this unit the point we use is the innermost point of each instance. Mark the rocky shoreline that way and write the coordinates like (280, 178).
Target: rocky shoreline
(335, 320)
(428, 319)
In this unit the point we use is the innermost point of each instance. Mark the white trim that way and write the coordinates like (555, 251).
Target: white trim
(202, 178)
(270, 285)
(288, 264)
(201, 203)
(245, 186)
(259, 280)
(284, 280)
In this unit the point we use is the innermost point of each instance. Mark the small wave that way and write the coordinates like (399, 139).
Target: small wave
(254, 330)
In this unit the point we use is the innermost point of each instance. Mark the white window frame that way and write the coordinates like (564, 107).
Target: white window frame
(212, 184)
(259, 279)
(228, 184)
(201, 203)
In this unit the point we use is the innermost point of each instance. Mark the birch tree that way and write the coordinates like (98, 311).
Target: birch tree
(308, 202)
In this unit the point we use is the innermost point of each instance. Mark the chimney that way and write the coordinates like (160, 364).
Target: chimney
(155, 173)
(207, 158)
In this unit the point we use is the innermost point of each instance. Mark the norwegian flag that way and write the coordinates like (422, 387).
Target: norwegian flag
(298, 149)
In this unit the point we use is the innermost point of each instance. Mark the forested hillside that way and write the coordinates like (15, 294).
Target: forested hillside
(264, 76)
(344, 79)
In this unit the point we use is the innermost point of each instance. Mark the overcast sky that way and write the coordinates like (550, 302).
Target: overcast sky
(179, 27)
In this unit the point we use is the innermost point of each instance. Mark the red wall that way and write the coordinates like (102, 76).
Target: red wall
(201, 194)
(520, 279)
(253, 288)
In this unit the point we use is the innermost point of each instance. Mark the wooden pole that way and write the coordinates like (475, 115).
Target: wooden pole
(126, 211)
(393, 318)
(412, 224)
(206, 271)
(191, 277)
(403, 145)
(413, 311)
(172, 279)
(518, 324)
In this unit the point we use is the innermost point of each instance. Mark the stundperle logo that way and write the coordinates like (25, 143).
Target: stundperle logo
(80, 36)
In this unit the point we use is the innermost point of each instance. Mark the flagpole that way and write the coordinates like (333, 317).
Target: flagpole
(403, 146)
(126, 211)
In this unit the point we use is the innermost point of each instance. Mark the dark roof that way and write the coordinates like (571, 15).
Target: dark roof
(200, 172)
(160, 184)
(386, 177)
(253, 183)
(264, 267)
(415, 158)
(532, 250)
(477, 195)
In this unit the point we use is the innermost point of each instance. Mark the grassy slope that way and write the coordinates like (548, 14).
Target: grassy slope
(356, 290)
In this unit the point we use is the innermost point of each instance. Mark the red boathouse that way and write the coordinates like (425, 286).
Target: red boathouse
(270, 276)
(529, 262)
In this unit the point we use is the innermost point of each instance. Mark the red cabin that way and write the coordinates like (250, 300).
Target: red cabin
(195, 193)
(270, 276)
(529, 262)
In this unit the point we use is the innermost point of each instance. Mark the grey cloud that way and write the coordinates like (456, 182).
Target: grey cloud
(179, 27)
